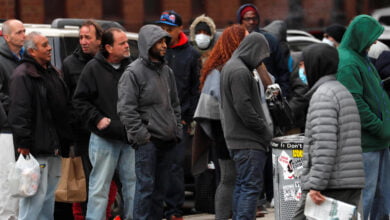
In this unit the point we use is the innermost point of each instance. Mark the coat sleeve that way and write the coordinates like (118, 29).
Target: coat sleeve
(322, 118)
(195, 93)
(349, 76)
(21, 112)
(85, 93)
(240, 90)
(176, 105)
(127, 106)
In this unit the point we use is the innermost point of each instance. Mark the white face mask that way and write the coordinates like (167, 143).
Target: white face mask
(327, 41)
(202, 40)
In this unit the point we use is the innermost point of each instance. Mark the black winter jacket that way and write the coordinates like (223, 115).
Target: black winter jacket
(185, 62)
(96, 96)
(38, 111)
(8, 62)
(72, 67)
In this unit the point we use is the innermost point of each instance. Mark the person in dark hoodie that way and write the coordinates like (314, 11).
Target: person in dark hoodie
(244, 124)
(276, 63)
(148, 106)
(185, 61)
(39, 119)
(95, 100)
(11, 52)
(332, 162)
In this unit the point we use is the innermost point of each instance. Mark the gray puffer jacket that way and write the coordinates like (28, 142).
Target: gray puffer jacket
(148, 104)
(332, 149)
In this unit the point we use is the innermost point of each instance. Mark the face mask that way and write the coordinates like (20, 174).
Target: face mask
(327, 41)
(302, 75)
(202, 40)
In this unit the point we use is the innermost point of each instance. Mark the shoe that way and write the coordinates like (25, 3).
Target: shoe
(174, 217)
(117, 218)
(261, 211)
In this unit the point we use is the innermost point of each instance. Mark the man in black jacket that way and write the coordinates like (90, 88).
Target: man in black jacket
(185, 61)
(95, 100)
(90, 36)
(39, 120)
(11, 52)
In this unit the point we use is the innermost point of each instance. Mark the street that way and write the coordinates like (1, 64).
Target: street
(269, 216)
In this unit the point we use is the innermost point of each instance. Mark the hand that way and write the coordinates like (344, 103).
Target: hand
(24, 151)
(316, 196)
(103, 123)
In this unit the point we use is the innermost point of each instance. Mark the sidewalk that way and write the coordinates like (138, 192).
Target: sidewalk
(269, 216)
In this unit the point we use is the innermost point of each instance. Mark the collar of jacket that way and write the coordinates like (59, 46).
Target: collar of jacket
(80, 55)
(124, 62)
(183, 39)
(317, 84)
(38, 68)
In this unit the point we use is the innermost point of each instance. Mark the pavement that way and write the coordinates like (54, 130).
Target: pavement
(269, 216)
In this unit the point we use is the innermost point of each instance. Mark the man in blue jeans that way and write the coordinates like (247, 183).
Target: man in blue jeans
(246, 130)
(95, 99)
(149, 108)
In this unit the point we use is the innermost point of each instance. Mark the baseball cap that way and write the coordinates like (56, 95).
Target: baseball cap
(170, 18)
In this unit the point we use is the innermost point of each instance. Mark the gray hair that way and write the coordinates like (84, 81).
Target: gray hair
(6, 28)
(29, 43)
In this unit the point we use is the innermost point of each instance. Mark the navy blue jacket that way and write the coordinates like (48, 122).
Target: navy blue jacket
(184, 60)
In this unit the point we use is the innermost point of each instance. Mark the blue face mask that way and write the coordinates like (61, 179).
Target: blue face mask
(302, 75)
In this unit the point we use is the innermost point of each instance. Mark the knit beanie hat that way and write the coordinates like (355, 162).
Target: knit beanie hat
(336, 31)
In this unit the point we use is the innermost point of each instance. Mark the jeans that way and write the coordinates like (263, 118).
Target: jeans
(41, 205)
(174, 196)
(106, 155)
(152, 167)
(249, 165)
(376, 193)
(8, 204)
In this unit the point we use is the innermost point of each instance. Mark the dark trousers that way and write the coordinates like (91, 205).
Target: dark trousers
(152, 167)
(174, 196)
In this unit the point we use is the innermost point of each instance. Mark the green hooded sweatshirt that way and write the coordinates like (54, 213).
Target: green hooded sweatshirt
(359, 75)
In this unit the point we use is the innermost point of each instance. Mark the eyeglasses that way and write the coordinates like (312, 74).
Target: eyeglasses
(250, 18)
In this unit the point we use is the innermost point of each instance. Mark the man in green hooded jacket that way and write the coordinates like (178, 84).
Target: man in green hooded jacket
(360, 77)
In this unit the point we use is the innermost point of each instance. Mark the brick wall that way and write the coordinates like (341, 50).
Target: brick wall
(7, 9)
(84, 9)
(31, 11)
(316, 13)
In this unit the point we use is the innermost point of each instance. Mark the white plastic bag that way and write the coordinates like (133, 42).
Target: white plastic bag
(24, 177)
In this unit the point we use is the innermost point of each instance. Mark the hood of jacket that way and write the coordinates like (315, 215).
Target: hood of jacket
(320, 60)
(238, 13)
(363, 31)
(148, 36)
(278, 29)
(205, 19)
(252, 50)
(6, 52)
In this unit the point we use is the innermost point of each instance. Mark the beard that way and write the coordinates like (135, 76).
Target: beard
(156, 55)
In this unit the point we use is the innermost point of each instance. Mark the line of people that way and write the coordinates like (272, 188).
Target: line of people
(137, 117)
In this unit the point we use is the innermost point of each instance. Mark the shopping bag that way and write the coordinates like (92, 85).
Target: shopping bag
(24, 176)
(71, 186)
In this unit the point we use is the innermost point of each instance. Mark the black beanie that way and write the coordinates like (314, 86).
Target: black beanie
(336, 31)
(202, 26)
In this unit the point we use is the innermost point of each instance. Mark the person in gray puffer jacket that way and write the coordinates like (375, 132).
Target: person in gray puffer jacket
(148, 106)
(332, 163)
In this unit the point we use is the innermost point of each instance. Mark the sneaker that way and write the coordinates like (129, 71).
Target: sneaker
(174, 217)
